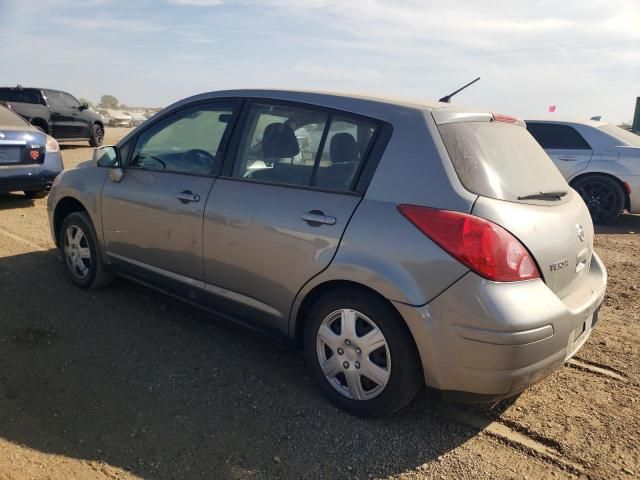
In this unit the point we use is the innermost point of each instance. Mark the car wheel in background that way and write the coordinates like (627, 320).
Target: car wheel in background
(603, 195)
(97, 135)
(361, 354)
(36, 193)
(80, 254)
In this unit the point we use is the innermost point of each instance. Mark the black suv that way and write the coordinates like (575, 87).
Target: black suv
(56, 113)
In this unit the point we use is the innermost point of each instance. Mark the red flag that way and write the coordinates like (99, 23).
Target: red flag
(552, 108)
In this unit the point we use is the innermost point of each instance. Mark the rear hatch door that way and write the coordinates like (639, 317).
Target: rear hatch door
(521, 190)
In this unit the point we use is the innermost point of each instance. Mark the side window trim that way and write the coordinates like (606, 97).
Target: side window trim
(371, 157)
(238, 104)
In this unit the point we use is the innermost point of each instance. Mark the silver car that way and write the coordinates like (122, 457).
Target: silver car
(415, 244)
(598, 159)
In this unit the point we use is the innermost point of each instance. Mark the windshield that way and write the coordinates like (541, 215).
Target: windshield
(10, 119)
(500, 160)
(625, 136)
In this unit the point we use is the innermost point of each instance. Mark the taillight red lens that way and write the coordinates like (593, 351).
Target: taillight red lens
(484, 247)
(501, 117)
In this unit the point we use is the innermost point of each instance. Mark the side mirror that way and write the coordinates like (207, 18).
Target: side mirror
(107, 156)
(84, 106)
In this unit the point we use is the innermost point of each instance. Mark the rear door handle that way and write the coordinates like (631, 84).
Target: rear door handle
(317, 217)
(187, 196)
(567, 158)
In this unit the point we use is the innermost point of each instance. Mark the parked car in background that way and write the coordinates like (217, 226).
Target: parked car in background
(600, 160)
(29, 158)
(422, 244)
(56, 113)
(118, 118)
(137, 119)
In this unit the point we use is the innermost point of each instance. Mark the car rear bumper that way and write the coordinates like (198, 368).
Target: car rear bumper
(481, 340)
(30, 177)
(632, 183)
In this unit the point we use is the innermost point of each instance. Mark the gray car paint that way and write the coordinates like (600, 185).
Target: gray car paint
(265, 260)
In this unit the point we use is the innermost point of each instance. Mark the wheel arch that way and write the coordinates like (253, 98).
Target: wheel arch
(300, 315)
(627, 200)
(63, 209)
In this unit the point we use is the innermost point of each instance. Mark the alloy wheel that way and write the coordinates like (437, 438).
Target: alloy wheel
(600, 198)
(77, 252)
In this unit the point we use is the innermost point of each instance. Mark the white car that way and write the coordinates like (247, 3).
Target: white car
(598, 159)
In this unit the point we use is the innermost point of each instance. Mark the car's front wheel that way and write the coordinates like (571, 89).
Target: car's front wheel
(97, 135)
(361, 354)
(80, 254)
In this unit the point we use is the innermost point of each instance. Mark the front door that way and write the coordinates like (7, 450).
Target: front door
(276, 217)
(567, 148)
(152, 218)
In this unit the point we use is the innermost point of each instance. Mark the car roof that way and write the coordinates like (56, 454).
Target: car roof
(338, 100)
(569, 121)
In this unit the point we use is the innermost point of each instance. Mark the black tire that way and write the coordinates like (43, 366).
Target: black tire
(405, 374)
(33, 194)
(97, 135)
(604, 197)
(97, 275)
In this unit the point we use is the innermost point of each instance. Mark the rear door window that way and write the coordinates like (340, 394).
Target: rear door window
(499, 160)
(560, 137)
(20, 95)
(305, 147)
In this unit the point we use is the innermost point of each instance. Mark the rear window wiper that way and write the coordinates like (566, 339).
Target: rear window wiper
(544, 195)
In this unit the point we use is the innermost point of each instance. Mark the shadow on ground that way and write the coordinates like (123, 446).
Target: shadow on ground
(10, 201)
(129, 377)
(626, 223)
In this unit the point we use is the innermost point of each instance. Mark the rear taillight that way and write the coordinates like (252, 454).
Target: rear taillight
(52, 145)
(484, 247)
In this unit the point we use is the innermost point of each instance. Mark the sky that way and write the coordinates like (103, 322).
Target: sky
(581, 55)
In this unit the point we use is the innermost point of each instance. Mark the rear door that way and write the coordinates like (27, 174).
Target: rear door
(567, 148)
(63, 122)
(276, 216)
(152, 218)
(507, 168)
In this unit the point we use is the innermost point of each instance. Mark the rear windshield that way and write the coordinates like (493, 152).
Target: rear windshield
(10, 119)
(625, 136)
(500, 160)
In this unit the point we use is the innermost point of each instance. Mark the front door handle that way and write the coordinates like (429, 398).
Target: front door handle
(317, 217)
(187, 196)
(567, 158)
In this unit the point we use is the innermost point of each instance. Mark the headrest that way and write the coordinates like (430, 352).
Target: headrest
(279, 141)
(343, 148)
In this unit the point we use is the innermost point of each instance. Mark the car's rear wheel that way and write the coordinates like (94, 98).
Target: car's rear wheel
(603, 195)
(97, 135)
(361, 354)
(80, 254)
(36, 193)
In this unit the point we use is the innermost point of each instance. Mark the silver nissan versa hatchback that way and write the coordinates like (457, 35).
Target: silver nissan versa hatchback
(401, 244)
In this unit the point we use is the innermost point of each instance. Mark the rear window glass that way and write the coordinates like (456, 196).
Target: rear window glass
(10, 119)
(499, 160)
(20, 96)
(560, 137)
(625, 136)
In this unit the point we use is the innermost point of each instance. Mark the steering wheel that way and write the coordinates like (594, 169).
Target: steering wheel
(201, 159)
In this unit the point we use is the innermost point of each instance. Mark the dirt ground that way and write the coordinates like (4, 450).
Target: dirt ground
(126, 383)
